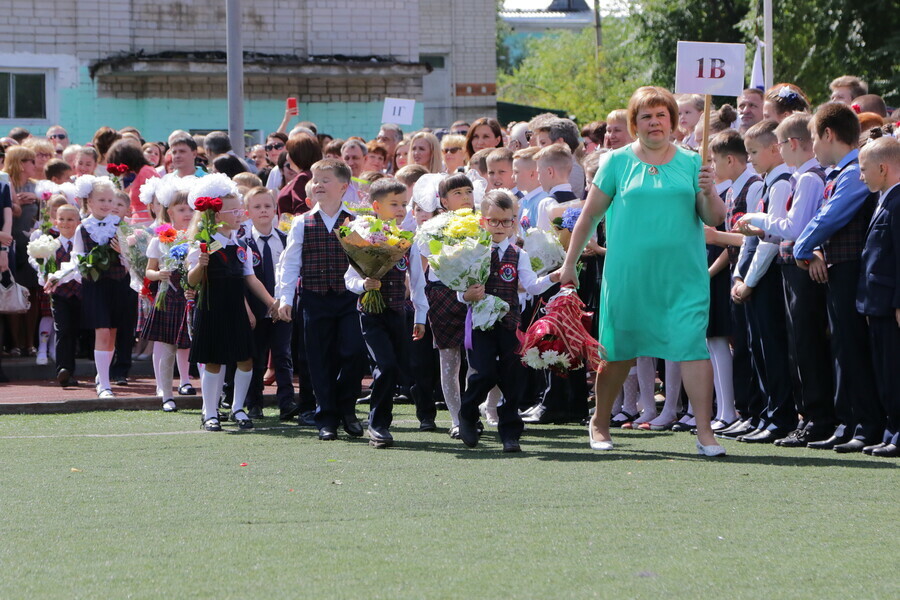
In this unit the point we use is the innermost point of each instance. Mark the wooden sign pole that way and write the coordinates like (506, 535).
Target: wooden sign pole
(704, 148)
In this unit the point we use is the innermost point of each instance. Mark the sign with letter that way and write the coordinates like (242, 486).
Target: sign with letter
(713, 69)
(398, 110)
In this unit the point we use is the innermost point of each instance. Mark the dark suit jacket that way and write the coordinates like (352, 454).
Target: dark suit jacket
(258, 308)
(878, 292)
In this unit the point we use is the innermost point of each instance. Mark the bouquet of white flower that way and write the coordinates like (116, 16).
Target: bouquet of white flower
(43, 251)
(545, 251)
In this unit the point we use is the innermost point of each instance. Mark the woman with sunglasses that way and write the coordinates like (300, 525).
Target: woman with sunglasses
(453, 150)
(272, 176)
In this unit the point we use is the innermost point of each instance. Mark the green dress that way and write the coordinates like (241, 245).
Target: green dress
(654, 297)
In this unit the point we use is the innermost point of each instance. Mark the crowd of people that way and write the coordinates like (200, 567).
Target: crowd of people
(787, 331)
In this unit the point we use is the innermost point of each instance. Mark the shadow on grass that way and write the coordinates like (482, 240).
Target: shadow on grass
(565, 444)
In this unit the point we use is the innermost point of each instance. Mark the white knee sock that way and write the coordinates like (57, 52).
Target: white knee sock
(646, 374)
(629, 401)
(182, 357)
(241, 386)
(720, 355)
(673, 394)
(450, 361)
(45, 328)
(211, 388)
(493, 398)
(102, 359)
(164, 365)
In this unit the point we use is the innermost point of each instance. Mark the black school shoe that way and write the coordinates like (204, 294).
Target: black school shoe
(242, 424)
(380, 437)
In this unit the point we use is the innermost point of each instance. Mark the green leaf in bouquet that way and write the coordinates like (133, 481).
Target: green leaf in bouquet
(557, 222)
(536, 264)
(345, 230)
(434, 246)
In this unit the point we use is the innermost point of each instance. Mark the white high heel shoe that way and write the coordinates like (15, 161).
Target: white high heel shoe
(712, 450)
(598, 445)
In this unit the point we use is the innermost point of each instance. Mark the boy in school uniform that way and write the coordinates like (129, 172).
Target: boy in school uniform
(878, 292)
(762, 290)
(525, 174)
(65, 300)
(730, 162)
(331, 323)
(492, 359)
(807, 317)
(554, 163)
(830, 247)
(500, 171)
(386, 333)
(265, 243)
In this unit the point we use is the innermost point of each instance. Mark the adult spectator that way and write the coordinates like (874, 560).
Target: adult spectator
(124, 152)
(592, 136)
(655, 210)
(847, 88)
(353, 152)
(484, 133)
(750, 108)
(183, 151)
(303, 152)
(425, 150)
(102, 141)
(59, 137)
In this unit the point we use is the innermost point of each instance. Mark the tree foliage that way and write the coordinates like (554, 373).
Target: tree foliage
(814, 41)
(560, 71)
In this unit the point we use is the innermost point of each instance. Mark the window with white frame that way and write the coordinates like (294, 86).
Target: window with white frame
(23, 95)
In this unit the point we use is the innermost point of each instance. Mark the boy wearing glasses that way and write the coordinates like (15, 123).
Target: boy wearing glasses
(492, 358)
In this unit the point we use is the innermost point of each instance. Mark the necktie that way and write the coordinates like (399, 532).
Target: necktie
(268, 274)
(69, 247)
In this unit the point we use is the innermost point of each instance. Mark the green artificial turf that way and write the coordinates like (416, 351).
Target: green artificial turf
(171, 513)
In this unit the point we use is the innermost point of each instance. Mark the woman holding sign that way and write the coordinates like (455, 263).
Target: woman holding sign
(654, 297)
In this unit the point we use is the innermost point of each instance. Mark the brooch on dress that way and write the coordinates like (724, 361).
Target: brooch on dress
(653, 170)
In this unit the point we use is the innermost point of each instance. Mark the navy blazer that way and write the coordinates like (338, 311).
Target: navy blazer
(878, 292)
(256, 306)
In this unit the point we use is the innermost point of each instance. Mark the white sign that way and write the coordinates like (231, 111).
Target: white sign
(714, 69)
(399, 111)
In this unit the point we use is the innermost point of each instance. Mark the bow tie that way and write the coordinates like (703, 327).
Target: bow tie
(101, 223)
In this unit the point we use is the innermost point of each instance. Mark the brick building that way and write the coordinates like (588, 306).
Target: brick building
(159, 65)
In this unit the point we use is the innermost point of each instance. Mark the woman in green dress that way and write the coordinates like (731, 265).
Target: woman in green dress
(654, 299)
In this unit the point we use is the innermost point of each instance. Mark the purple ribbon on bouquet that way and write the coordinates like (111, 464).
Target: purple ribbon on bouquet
(468, 342)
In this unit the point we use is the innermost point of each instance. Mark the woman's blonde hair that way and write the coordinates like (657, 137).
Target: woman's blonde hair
(436, 164)
(12, 165)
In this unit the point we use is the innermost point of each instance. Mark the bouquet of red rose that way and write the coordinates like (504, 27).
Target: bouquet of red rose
(115, 173)
(205, 196)
(559, 340)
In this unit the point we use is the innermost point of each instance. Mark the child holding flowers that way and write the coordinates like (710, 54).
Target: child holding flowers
(492, 357)
(331, 324)
(446, 315)
(224, 271)
(384, 322)
(166, 326)
(95, 253)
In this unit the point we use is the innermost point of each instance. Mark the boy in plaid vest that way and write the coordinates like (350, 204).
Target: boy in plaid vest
(331, 324)
(807, 319)
(386, 333)
(492, 359)
(830, 247)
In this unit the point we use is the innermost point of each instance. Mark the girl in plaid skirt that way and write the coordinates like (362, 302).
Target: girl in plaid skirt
(167, 328)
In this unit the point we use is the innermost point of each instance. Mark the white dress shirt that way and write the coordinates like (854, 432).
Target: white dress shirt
(548, 204)
(808, 192)
(274, 243)
(779, 192)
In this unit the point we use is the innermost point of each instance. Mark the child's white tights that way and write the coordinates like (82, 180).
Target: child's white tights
(720, 355)
(450, 361)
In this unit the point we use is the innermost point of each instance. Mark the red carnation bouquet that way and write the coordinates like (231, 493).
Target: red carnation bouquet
(116, 172)
(559, 341)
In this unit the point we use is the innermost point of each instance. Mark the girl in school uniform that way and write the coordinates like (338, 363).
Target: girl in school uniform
(167, 328)
(222, 324)
(106, 301)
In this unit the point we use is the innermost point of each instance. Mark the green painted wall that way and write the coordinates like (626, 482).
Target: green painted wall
(82, 113)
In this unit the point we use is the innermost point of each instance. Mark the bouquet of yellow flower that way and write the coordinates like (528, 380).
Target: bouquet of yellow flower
(460, 255)
(373, 247)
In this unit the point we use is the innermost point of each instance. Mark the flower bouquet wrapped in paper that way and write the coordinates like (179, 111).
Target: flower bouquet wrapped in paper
(43, 251)
(461, 257)
(173, 248)
(545, 251)
(133, 242)
(373, 247)
(559, 340)
(565, 223)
